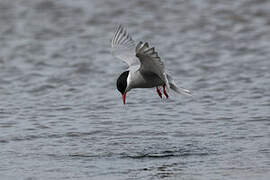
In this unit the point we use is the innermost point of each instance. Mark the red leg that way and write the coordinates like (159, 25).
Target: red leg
(159, 93)
(164, 91)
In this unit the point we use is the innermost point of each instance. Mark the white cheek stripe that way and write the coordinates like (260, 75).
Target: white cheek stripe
(128, 82)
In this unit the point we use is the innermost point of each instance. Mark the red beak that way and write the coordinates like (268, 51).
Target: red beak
(124, 98)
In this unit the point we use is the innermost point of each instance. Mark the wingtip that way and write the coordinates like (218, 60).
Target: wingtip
(118, 26)
(121, 37)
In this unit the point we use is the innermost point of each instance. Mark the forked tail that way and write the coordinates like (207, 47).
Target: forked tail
(180, 90)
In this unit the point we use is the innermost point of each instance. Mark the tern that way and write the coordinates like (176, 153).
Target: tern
(146, 69)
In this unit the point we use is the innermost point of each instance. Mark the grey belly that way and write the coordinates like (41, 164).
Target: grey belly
(148, 80)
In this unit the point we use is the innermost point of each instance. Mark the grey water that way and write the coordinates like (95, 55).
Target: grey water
(61, 116)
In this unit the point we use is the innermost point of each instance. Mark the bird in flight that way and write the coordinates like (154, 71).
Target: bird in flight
(146, 69)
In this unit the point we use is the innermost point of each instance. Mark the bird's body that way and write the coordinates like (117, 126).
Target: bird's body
(146, 70)
(143, 80)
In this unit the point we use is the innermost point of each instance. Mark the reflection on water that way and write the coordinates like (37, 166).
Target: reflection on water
(62, 117)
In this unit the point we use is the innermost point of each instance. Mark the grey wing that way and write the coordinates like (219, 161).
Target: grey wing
(123, 47)
(151, 62)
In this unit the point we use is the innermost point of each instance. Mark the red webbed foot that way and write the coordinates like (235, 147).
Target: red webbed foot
(164, 91)
(159, 93)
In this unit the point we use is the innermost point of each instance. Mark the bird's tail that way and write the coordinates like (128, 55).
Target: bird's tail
(180, 90)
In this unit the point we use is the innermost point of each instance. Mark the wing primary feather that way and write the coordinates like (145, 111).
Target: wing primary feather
(150, 51)
(123, 46)
(138, 46)
(121, 37)
(145, 46)
(117, 32)
(141, 47)
(113, 38)
(128, 41)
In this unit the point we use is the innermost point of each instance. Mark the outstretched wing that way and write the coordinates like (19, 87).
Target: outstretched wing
(123, 47)
(150, 61)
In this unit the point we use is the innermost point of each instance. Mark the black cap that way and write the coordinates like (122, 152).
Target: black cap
(122, 82)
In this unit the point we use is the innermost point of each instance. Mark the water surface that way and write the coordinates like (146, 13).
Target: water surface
(61, 116)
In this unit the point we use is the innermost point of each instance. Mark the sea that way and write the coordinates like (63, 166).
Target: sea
(61, 116)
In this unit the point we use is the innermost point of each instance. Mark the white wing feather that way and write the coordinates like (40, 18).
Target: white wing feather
(123, 47)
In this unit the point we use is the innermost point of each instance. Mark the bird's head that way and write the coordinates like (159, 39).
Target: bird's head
(122, 84)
